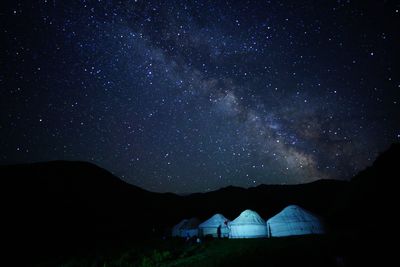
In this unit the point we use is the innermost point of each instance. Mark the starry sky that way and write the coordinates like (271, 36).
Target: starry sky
(191, 96)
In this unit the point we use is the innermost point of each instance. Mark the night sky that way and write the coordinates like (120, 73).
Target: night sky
(193, 96)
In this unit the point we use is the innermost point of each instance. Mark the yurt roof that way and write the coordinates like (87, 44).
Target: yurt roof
(192, 223)
(293, 213)
(215, 221)
(179, 225)
(248, 217)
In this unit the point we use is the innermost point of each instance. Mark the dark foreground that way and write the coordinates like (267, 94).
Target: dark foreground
(291, 251)
(77, 214)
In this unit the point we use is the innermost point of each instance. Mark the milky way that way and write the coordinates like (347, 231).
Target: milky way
(187, 97)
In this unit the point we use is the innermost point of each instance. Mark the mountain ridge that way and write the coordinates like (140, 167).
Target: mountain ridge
(69, 205)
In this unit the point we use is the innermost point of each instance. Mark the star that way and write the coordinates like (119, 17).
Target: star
(178, 98)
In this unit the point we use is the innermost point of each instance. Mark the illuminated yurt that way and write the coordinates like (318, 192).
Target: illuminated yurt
(210, 227)
(177, 227)
(248, 225)
(294, 220)
(189, 228)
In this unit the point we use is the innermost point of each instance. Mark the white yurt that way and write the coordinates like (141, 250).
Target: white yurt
(248, 225)
(177, 227)
(294, 220)
(210, 227)
(189, 228)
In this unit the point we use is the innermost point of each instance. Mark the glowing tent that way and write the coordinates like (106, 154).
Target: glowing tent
(294, 220)
(177, 227)
(248, 225)
(189, 228)
(210, 227)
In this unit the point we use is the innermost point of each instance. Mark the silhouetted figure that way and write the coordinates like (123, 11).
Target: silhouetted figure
(219, 231)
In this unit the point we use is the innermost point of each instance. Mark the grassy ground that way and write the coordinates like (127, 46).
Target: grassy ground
(294, 251)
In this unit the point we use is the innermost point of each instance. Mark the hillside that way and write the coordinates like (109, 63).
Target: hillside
(75, 206)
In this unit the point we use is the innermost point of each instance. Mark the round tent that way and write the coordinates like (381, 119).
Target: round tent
(189, 228)
(248, 225)
(210, 227)
(177, 227)
(294, 220)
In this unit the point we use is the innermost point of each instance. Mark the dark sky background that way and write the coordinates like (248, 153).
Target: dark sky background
(193, 96)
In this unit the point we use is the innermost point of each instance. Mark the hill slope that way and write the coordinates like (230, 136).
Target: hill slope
(73, 205)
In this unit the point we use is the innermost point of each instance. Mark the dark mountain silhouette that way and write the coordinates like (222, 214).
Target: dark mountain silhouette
(370, 196)
(72, 205)
(366, 212)
(59, 207)
(267, 200)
